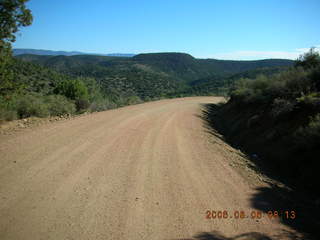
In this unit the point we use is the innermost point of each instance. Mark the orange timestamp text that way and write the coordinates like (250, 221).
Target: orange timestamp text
(253, 214)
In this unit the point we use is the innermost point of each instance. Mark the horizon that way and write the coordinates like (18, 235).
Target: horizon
(250, 30)
(104, 54)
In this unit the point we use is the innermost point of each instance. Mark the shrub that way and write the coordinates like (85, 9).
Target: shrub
(31, 105)
(59, 105)
(297, 82)
(309, 136)
(312, 99)
(281, 106)
(241, 90)
(132, 100)
(101, 105)
(8, 115)
(22, 106)
(7, 108)
(309, 60)
(82, 104)
(75, 90)
(72, 89)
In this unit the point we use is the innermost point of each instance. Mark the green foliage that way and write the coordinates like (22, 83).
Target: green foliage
(59, 105)
(13, 14)
(49, 87)
(7, 84)
(221, 85)
(311, 99)
(132, 100)
(278, 117)
(96, 83)
(308, 60)
(290, 84)
(101, 104)
(7, 111)
(157, 74)
(7, 115)
(309, 137)
(27, 105)
(31, 105)
(281, 106)
(73, 89)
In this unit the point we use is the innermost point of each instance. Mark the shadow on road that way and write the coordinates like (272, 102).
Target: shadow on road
(275, 197)
(245, 236)
(302, 214)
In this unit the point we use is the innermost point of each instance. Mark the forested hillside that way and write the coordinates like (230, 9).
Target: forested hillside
(277, 120)
(160, 74)
(54, 85)
(179, 66)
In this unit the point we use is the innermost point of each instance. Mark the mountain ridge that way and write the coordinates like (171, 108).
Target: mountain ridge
(180, 65)
(21, 51)
(145, 74)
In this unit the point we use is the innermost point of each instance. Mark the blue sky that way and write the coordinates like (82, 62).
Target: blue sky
(223, 29)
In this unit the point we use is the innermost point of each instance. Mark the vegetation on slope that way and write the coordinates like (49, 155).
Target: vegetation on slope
(150, 76)
(38, 91)
(277, 118)
(107, 82)
(220, 85)
(179, 67)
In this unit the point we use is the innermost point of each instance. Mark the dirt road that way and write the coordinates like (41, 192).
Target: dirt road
(149, 171)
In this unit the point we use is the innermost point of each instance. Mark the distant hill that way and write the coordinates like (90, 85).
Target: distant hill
(180, 66)
(20, 51)
(145, 74)
(120, 54)
(58, 84)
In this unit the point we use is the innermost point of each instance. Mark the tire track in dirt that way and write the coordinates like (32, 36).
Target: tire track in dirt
(147, 171)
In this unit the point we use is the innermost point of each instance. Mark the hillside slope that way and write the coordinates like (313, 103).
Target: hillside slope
(179, 66)
(277, 119)
(44, 85)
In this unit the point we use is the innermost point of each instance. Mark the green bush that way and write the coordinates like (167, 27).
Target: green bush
(31, 105)
(101, 105)
(75, 90)
(241, 90)
(8, 115)
(132, 100)
(72, 89)
(312, 99)
(8, 109)
(310, 59)
(28, 105)
(290, 85)
(82, 104)
(59, 105)
(281, 106)
(309, 136)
